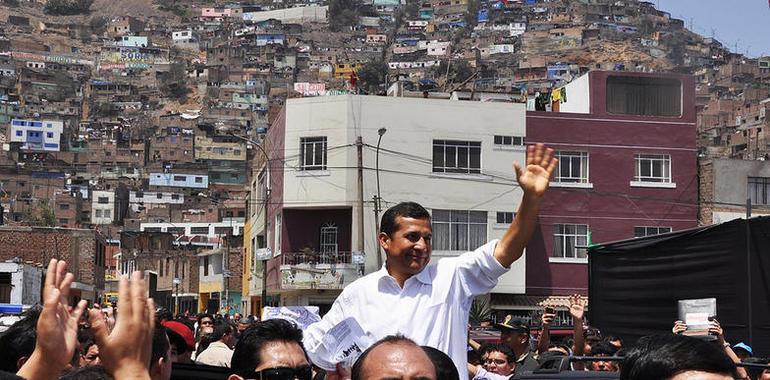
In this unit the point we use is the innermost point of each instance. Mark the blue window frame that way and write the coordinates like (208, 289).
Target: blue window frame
(49, 135)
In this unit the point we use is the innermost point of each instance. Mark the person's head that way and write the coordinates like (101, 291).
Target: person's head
(445, 367)
(603, 349)
(163, 314)
(18, 342)
(89, 354)
(559, 349)
(500, 360)
(244, 323)
(205, 324)
(237, 317)
(91, 372)
(743, 350)
(757, 373)
(271, 347)
(394, 357)
(224, 332)
(592, 336)
(514, 333)
(405, 236)
(675, 357)
(181, 339)
(160, 359)
(484, 351)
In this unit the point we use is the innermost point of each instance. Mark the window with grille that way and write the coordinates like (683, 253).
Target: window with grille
(653, 168)
(312, 153)
(509, 140)
(199, 230)
(759, 190)
(572, 167)
(650, 231)
(570, 240)
(505, 217)
(328, 242)
(459, 230)
(451, 156)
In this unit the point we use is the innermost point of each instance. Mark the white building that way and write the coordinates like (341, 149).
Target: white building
(198, 233)
(438, 48)
(37, 135)
(103, 207)
(439, 153)
(20, 283)
(152, 199)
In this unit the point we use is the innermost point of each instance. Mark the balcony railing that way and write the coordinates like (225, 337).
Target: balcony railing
(300, 270)
(296, 258)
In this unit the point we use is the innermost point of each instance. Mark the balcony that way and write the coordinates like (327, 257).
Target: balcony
(306, 270)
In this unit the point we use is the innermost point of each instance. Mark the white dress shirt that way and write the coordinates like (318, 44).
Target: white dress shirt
(431, 309)
(216, 354)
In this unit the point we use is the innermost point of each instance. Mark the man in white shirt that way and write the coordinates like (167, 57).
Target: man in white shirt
(429, 303)
(219, 353)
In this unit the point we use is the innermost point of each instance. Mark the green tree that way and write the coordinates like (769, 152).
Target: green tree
(479, 312)
(342, 14)
(41, 215)
(372, 75)
(67, 7)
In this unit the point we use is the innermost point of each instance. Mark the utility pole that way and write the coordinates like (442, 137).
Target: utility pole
(378, 197)
(360, 150)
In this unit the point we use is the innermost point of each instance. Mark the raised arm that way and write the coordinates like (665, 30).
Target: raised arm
(533, 180)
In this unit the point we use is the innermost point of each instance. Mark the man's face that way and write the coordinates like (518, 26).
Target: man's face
(206, 326)
(282, 355)
(408, 248)
(604, 366)
(515, 340)
(497, 362)
(91, 356)
(398, 361)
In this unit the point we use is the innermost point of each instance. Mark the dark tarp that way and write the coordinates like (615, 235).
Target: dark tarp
(634, 285)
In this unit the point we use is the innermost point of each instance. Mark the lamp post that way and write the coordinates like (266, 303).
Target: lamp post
(378, 198)
(266, 202)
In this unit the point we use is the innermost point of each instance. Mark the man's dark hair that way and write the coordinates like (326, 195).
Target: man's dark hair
(160, 345)
(663, 356)
(90, 372)
(603, 348)
(248, 351)
(356, 373)
(755, 372)
(505, 350)
(485, 348)
(19, 340)
(445, 367)
(221, 328)
(404, 210)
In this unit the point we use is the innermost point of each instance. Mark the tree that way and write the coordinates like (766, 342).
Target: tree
(342, 14)
(479, 312)
(174, 83)
(372, 75)
(41, 215)
(67, 7)
(98, 24)
(459, 71)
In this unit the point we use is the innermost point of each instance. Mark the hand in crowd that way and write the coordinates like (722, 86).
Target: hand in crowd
(547, 319)
(541, 163)
(679, 327)
(577, 307)
(57, 327)
(125, 352)
(715, 329)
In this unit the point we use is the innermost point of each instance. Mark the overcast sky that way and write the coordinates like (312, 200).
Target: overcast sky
(745, 22)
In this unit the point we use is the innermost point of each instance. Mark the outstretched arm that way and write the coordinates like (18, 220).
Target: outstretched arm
(533, 180)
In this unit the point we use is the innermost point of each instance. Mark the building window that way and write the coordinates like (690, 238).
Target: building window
(64, 221)
(570, 241)
(572, 167)
(222, 230)
(509, 140)
(759, 190)
(199, 230)
(19, 133)
(312, 153)
(159, 195)
(175, 230)
(175, 196)
(451, 156)
(650, 231)
(103, 200)
(64, 206)
(328, 241)
(459, 230)
(505, 217)
(49, 135)
(205, 265)
(277, 234)
(139, 194)
(653, 168)
(644, 96)
(98, 213)
(180, 178)
(198, 179)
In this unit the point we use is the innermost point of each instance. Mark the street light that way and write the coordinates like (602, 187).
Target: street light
(378, 198)
(267, 202)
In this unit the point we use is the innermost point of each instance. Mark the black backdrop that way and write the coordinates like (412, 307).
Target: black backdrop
(634, 285)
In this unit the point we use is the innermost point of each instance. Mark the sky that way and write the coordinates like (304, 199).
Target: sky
(745, 22)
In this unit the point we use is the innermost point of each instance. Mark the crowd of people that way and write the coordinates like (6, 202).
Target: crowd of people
(415, 313)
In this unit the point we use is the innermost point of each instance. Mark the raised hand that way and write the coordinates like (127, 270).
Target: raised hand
(125, 352)
(541, 164)
(577, 306)
(679, 327)
(57, 327)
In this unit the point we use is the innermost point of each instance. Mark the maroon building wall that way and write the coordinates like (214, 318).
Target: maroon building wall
(612, 208)
(276, 137)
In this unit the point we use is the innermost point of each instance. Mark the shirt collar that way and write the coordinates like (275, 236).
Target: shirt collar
(424, 277)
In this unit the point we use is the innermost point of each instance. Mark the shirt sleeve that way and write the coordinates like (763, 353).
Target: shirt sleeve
(313, 335)
(478, 271)
(483, 374)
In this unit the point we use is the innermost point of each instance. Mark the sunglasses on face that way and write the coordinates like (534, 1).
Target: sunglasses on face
(284, 373)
